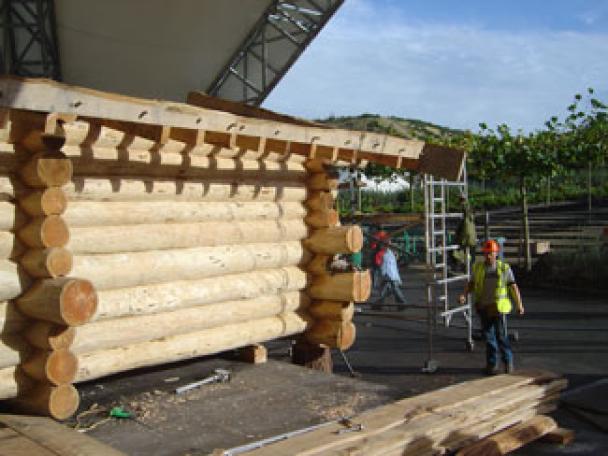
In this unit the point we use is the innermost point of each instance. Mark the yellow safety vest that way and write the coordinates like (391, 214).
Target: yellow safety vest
(503, 303)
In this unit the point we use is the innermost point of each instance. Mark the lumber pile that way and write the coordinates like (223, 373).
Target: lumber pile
(508, 408)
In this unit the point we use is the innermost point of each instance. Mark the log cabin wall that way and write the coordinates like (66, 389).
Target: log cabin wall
(158, 250)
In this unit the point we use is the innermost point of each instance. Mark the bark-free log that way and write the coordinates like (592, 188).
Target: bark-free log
(52, 262)
(320, 201)
(322, 181)
(343, 286)
(319, 265)
(54, 366)
(13, 349)
(65, 301)
(50, 336)
(322, 219)
(332, 310)
(136, 238)
(11, 218)
(12, 282)
(119, 189)
(47, 169)
(10, 247)
(156, 266)
(49, 201)
(40, 141)
(121, 162)
(164, 297)
(43, 232)
(93, 213)
(128, 330)
(11, 320)
(338, 239)
(334, 334)
(59, 402)
(104, 362)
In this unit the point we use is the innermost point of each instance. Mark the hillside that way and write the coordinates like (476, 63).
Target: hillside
(408, 128)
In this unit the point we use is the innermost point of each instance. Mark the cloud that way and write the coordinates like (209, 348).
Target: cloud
(457, 75)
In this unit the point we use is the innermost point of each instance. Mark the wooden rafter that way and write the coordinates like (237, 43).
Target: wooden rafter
(314, 141)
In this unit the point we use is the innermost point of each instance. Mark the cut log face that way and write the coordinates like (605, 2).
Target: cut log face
(65, 301)
(52, 262)
(334, 334)
(322, 219)
(44, 232)
(332, 310)
(47, 169)
(345, 286)
(59, 402)
(339, 239)
(57, 366)
(50, 336)
(50, 201)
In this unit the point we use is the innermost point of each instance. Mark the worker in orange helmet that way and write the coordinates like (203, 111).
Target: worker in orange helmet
(491, 283)
(378, 247)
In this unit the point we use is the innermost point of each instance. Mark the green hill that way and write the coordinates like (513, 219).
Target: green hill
(397, 126)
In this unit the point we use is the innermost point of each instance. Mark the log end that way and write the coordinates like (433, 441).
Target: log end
(48, 169)
(61, 367)
(50, 336)
(78, 302)
(332, 310)
(53, 201)
(59, 402)
(354, 239)
(334, 334)
(362, 286)
(53, 262)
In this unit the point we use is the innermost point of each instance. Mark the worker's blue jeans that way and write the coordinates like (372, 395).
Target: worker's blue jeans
(495, 332)
(394, 287)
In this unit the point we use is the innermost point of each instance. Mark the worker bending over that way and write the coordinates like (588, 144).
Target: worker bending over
(491, 284)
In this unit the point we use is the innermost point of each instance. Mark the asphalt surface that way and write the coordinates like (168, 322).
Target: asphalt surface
(561, 331)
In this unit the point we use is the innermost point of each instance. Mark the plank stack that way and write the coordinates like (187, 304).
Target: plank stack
(439, 422)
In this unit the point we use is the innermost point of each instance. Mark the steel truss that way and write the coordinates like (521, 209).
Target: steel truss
(274, 44)
(29, 39)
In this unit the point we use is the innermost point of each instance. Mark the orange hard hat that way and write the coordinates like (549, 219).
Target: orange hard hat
(381, 235)
(490, 246)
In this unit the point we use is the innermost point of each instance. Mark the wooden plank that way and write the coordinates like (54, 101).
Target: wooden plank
(55, 438)
(14, 444)
(52, 97)
(511, 439)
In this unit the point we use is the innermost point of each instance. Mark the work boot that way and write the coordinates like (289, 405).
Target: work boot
(509, 368)
(491, 370)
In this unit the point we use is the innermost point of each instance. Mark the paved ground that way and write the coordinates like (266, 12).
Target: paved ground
(563, 332)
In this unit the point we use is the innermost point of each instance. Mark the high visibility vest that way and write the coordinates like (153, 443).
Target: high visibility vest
(503, 303)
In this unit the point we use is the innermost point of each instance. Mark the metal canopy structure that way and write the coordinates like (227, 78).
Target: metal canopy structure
(273, 45)
(235, 50)
(29, 39)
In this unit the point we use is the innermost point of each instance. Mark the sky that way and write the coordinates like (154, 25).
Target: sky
(453, 63)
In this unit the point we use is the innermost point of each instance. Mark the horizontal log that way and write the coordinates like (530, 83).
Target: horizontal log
(338, 239)
(124, 189)
(10, 246)
(11, 320)
(59, 402)
(319, 265)
(322, 219)
(13, 350)
(47, 169)
(11, 218)
(157, 266)
(168, 349)
(49, 201)
(334, 334)
(136, 238)
(65, 301)
(332, 310)
(320, 201)
(51, 262)
(40, 141)
(12, 280)
(43, 232)
(49, 336)
(53, 366)
(121, 162)
(93, 213)
(164, 297)
(322, 181)
(118, 332)
(13, 381)
(343, 286)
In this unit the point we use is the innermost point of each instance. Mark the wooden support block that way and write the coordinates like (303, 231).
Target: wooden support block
(337, 239)
(313, 356)
(512, 438)
(332, 310)
(343, 286)
(254, 354)
(50, 336)
(51, 262)
(560, 436)
(334, 334)
(47, 169)
(57, 367)
(59, 402)
(65, 301)
(49, 201)
(43, 232)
